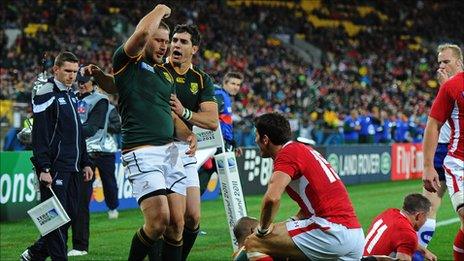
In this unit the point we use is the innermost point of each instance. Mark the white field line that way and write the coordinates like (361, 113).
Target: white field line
(447, 222)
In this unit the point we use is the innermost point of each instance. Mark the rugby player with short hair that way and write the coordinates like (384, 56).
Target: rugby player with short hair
(393, 232)
(448, 106)
(326, 225)
(194, 102)
(148, 125)
(449, 64)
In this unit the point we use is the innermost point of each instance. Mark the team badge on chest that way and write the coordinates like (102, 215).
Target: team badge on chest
(194, 87)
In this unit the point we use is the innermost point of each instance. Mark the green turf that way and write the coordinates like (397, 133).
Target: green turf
(110, 238)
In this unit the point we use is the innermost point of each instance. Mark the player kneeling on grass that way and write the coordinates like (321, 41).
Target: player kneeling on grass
(327, 227)
(393, 232)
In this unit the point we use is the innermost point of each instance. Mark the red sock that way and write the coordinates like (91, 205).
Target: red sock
(458, 247)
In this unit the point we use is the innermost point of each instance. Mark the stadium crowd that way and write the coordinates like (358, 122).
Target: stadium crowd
(385, 72)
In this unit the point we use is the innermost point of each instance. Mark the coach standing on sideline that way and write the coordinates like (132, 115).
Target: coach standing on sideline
(59, 151)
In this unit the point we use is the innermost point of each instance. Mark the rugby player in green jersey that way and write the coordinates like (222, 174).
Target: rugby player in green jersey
(148, 125)
(195, 103)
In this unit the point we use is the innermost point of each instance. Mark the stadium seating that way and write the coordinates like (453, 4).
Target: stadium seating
(375, 53)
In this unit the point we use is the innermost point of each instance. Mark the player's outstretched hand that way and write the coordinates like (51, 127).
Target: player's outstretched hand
(88, 173)
(430, 179)
(192, 141)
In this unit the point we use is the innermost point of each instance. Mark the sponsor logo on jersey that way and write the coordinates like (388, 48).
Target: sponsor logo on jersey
(180, 80)
(168, 77)
(194, 87)
(61, 100)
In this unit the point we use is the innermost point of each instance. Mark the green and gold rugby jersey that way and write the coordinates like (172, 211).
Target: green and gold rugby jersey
(193, 87)
(144, 95)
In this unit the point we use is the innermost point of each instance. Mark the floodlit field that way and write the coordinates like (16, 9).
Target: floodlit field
(110, 239)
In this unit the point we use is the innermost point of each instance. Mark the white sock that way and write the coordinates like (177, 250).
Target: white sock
(425, 233)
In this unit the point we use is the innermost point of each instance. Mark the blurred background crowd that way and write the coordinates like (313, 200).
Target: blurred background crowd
(351, 71)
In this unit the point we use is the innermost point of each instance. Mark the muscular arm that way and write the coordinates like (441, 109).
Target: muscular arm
(432, 131)
(145, 28)
(182, 132)
(271, 200)
(430, 176)
(207, 117)
(104, 80)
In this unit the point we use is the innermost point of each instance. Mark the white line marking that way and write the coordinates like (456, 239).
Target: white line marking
(447, 222)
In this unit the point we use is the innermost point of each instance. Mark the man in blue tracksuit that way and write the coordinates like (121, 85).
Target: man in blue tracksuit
(230, 87)
(59, 151)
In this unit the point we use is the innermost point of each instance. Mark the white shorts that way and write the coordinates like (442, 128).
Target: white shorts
(153, 170)
(189, 164)
(454, 172)
(320, 239)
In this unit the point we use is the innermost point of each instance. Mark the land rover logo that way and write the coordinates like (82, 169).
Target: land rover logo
(385, 163)
(333, 160)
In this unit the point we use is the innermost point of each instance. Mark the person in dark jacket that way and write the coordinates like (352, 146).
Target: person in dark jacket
(59, 151)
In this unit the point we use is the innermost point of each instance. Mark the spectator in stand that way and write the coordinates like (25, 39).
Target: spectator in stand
(351, 127)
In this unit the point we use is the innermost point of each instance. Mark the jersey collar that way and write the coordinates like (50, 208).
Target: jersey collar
(179, 73)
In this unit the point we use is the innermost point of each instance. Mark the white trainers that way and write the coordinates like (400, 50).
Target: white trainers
(75, 252)
(26, 256)
(113, 214)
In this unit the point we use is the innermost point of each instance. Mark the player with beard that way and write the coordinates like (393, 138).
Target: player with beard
(195, 103)
(148, 125)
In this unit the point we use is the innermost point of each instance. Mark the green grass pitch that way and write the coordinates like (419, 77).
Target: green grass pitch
(110, 239)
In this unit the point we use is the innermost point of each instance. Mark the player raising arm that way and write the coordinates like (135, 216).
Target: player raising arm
(148, 127)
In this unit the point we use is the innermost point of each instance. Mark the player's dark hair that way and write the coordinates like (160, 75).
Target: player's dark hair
(192, 29)
(244, 227)
(275, 126)
(233, 75)
(416, 202)
(164, 26)
(63, 57)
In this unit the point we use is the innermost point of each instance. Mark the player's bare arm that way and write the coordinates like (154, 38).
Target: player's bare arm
(145, 28)
(104, 80)
(183, 133)
(205, 118)
(271, 200)
(428, 255)
(430, 177)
